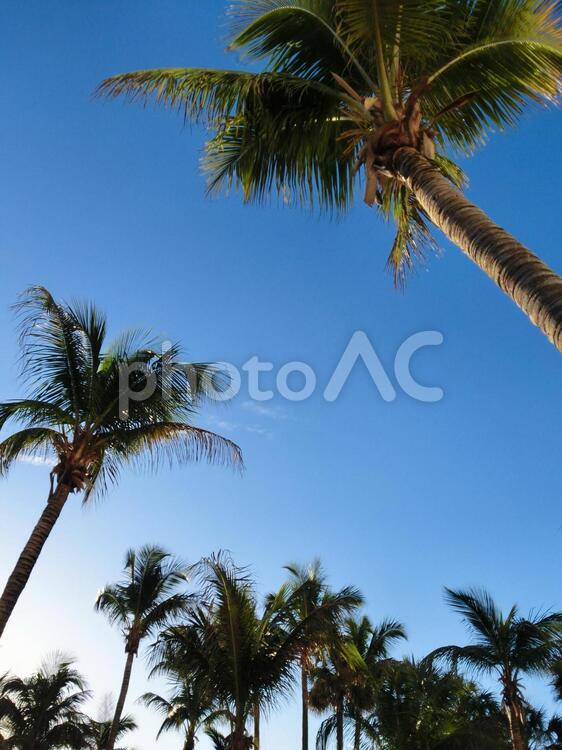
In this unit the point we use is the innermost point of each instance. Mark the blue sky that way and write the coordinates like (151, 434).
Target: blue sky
(105, 201)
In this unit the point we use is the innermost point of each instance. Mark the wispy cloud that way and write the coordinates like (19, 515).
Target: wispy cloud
(225, 426)
(37, 460)
(263, 431)
(271, 412)
(222, 424)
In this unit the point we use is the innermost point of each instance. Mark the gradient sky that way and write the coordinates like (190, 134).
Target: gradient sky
(104, 201)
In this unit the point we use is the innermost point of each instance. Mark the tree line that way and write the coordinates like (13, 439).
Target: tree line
(230, 658)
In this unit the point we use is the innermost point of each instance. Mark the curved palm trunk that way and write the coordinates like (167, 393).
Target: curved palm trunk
(30, 554)
(121, 701)
(529, 282)
(305, 703)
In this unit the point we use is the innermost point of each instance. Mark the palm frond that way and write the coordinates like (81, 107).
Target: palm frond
(33, 442)
(55, 352)
(35, 413)
(518, 43)
(213, 96)
(478, 610)
(171, 442)
(299, 37)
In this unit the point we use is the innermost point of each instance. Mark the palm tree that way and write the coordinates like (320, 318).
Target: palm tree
(420, 707)
(44, 711)
(386, 87)
(190, 708)
(141, 604)
(339, 670)
(75, 412)
(344, 679)
(247, 656)
(373, 644)
(218, 741)
(310, 581)
(544, 733)
(100, 731)
(505, 646)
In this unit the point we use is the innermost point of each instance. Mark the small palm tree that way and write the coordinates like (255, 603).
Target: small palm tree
(309, 582)
(141, 604)
(44, 711)
(373, 644)
(340, 670)
(218, 741)
(74, 411)
(344, 678)
(505, 646)
(190, 708)
(420, 707)
(100, 731)
(383, 87)
(544, 733)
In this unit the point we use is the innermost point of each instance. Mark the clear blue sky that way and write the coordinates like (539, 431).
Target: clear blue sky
(105, 201)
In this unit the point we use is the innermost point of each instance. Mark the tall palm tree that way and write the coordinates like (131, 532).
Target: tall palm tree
(507, 646)
(247, 655)
(385, 87)
(141, 604)
(74, 411)
(420, 707)
(309, 581)
(189, 709)
(44, 711)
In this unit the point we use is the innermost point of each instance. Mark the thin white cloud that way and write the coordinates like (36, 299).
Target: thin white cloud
(271, 412)
(259, 431)
(222, 425)
(37, 460)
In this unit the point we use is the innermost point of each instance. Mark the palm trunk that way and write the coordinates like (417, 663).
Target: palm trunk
(357, 738)
(121, 700)
(257, 726)
(529, 282)
(305, 702)
(339, 724)
(239, 741)
(30, 554)
(516, 728)
(189, 743)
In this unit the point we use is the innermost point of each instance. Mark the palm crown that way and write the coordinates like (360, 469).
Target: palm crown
(420, 706)
(507, 646)
(190, 707)
(100, 730)
(147, 597)
(345, 82)
(512, 643)
(44, 711)
(74, 407)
